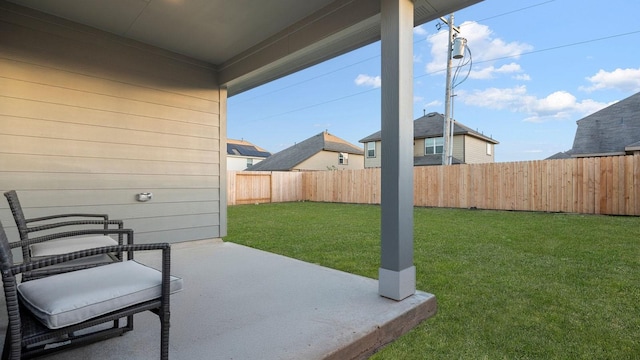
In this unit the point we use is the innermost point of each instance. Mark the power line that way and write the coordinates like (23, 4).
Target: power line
(310, 79)
(565, 45)
(429, 73)
(515, 11)
(437, 71)
(543, 50)
(377, 56)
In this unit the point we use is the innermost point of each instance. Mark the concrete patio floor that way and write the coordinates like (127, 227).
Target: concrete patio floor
(242, 303)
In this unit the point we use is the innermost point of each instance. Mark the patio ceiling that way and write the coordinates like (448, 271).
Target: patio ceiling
(250, 42)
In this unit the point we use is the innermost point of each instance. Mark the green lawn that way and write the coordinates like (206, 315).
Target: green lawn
(509, 285)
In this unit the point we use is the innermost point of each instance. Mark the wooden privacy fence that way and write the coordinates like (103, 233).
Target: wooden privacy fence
(253, 187)
(604, 185)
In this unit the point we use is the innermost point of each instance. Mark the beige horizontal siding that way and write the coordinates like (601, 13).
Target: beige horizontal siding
(83, 50)
(91, 181)
(89, 119)
(476, 151)
(105, 166)
(62, 147)
(54, 94)
(73, 81)
(56, 115)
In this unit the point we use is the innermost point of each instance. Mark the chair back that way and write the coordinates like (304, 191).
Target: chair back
(16, 210)
(21, 221)
(6, 257)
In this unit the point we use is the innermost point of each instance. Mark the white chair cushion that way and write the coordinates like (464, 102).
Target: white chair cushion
(67, 245)
(71, 298)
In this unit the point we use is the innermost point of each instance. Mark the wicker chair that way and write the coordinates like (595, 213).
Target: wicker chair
(49, 314)
(36, 246)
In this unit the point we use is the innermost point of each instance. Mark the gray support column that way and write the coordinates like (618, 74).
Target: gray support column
(397, 274)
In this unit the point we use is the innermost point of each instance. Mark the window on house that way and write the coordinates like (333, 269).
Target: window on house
(343, 159)
(489, 148)
(433, 145)
(371, 149)
(249, 162)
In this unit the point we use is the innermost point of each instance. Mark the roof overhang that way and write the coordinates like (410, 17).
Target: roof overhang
(249, 43)
(632, 147)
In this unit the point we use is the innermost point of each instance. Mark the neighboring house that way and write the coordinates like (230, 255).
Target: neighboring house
(242, 154)
(614, 130)
(469, 146)
(320, 152)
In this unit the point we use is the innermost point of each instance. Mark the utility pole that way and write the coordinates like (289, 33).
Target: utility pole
(447, 128)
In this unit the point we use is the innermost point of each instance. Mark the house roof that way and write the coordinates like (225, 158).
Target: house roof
(431, 125)
(633, 146)
(612, 130)
(559, 156)
(248, 42)
(288, 158)
(245, 148)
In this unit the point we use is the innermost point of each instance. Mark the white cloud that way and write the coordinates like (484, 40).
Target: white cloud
(621, 79)
(522, 77)
(489, 71)
(419, 30)
(434, 103)
(367, 80)
(559, 105)
(485, 49)
(495, 98)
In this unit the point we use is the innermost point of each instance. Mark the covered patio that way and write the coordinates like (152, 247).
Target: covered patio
(278, 308)
(101, 101)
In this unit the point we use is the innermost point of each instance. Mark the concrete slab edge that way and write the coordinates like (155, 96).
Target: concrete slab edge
(386, 333)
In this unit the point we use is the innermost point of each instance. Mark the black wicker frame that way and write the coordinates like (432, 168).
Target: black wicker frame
(27, 227)
(25, 334)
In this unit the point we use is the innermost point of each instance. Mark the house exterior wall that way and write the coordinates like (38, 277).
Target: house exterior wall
(376, 161)
(469, 149)
(89, 119)
(458, 147)
(418, 147)
(475, 151)
(459, 143)
(328, 160)
(239, 163)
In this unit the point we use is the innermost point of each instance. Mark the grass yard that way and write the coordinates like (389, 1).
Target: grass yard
(509, 285)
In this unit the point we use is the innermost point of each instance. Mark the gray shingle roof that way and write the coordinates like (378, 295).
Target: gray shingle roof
(288, 158)
(610, 130)
(431, 125)
(560, 155)
(633, 146)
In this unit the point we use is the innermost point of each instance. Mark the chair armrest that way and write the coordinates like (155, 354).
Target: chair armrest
(59, 216)
(106, 223)
(59, 259)
(120, 232)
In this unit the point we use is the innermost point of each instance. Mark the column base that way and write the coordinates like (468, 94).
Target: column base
(397, 285)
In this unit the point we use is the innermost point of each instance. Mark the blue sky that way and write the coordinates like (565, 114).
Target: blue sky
(538, 66)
